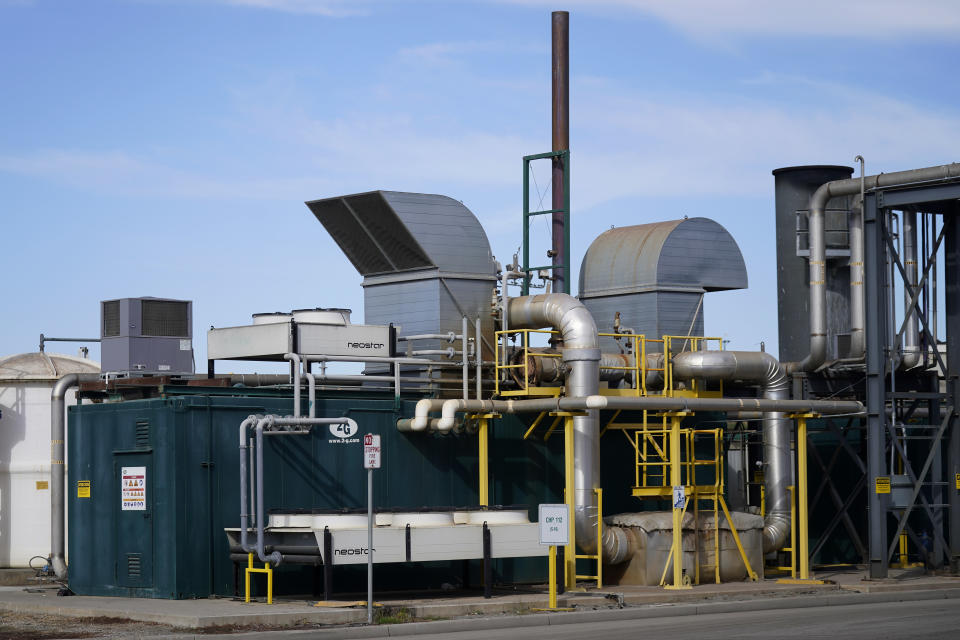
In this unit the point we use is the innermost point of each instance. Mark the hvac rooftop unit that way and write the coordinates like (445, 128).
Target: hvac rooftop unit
(141, 336)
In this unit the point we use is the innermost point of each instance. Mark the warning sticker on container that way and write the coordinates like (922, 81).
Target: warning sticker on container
(133, 488)
(958, 482)
(83, 488)
(42, 485)
(883, 484)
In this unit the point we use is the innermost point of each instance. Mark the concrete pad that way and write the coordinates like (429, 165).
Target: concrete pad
(11, 577)
(640, 601)
(194, 614)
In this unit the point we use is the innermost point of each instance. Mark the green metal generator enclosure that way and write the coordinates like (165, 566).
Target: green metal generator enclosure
(157, 530)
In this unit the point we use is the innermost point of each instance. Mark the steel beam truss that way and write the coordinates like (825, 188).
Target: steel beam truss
(897, 445)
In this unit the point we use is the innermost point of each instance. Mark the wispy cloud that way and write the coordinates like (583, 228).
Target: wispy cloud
(120, 173)
(631, 145)
(445, 53)
(869, 19)
(328, 8)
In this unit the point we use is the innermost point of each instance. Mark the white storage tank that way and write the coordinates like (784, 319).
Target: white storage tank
(26, 381)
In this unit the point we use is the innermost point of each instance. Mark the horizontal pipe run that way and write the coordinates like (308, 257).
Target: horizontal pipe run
(817, 240)
(376, 360)
(649, 403)
(450, 337)
(308, 559)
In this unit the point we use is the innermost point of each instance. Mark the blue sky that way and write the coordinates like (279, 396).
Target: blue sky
(165, 147)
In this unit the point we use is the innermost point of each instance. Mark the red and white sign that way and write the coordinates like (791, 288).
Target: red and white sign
(371, 451)
(133, 488)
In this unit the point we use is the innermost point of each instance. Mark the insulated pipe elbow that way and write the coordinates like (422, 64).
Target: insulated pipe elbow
(767, 370)
(817, 267)
(857, 313)
(581, 353)
(421, 417)
(57, 487)
(911, 334)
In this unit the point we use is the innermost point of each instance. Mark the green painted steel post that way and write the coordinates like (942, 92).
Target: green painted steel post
(525, 290)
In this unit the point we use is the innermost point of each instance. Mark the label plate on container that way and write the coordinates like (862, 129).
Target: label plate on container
(133, 488)
(83, 488)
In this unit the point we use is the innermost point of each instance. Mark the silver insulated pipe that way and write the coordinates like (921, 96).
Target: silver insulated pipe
(817, 261)
(581, 353)
(755, 366)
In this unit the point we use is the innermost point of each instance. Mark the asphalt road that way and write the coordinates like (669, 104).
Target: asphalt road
(932, 619)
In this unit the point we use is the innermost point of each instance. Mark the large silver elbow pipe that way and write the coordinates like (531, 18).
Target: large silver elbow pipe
(857, 313)
(767, 370)
(58, 546)
(817, 261)
(581, 353)
(911, 334)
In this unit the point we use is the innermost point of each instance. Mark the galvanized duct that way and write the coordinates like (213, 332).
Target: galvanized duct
(817, 261)
(581, 353)
(857, 314)
(765, 369)
(58, 434)
(544, 367)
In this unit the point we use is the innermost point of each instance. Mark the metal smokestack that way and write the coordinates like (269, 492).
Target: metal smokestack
(561, 138)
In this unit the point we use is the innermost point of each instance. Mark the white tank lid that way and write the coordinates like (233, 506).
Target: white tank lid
(44, 366)
(272, 317)
(322, 316)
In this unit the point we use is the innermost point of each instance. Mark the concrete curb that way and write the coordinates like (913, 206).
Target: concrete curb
(581, 617)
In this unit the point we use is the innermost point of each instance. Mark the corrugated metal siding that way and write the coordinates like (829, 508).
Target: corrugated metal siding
(410, 305)
(696, 253)
(447, 230)
(700, 252)
(625, 258)
(652, 314)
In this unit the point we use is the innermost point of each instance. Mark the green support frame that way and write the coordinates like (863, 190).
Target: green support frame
(564, 157)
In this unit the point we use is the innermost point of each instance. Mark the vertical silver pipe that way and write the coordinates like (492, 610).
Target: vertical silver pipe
(466, 360)
(479, 357)
(857, 300)
(58, 432)
(248, 422)
(911, 335)
(312, 391)
(253, 481)
(933, 269)
(581, 352)
(295, 359)
(274, 557)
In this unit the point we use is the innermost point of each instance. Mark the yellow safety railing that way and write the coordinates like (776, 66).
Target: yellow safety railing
(674, 345)
(595, 556)
(250, 569)
(503, 366)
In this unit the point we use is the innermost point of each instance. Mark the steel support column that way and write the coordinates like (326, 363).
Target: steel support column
(875, 282)
(951, 275)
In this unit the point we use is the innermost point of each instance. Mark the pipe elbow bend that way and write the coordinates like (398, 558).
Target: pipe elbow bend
(618, 545)
(775, 531)
(448, 416)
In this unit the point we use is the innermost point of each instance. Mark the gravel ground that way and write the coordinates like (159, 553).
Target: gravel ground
(33, 626)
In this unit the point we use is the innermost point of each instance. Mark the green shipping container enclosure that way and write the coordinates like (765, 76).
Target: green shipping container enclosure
(153, 483)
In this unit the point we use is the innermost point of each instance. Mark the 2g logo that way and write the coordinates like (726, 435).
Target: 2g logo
(344, 430)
